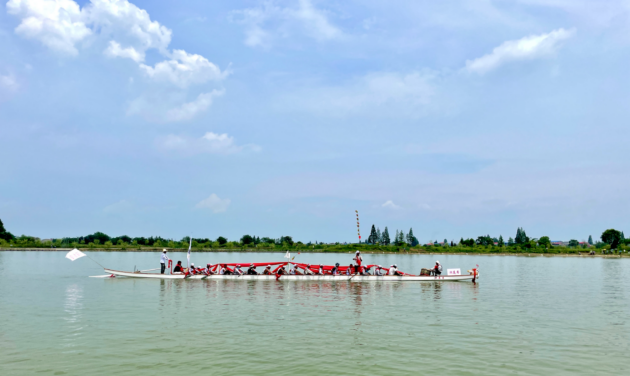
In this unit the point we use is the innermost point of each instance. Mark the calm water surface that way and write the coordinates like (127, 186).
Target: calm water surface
(526, 315)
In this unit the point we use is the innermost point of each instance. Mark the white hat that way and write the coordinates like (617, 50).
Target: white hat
(192, 264)
(358, 252)
(164, 251)
(437, 262)
(380, 266)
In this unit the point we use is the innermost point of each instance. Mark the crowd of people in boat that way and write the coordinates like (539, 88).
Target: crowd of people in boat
(296, 269)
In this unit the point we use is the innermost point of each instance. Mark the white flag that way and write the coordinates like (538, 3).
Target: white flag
(74, 254)
(189, 247)
(288, 255)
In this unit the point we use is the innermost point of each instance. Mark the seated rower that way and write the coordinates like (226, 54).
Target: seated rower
(224, 270)
(281, 271)
(349, 270)
(364, 270)
(321, 270)
(307, 270)
(208, 270)
(393, 270)
(335, 270)
(267, 270)
(437, 269)
(252, 270)
(379, 271)
(191, 270)
(178, 268)
(237, 270)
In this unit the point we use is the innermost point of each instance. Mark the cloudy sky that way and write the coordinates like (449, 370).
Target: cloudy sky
(272, 118)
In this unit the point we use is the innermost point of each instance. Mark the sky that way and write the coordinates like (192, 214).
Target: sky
(271, 118)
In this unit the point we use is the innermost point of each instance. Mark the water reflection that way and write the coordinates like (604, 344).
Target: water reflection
(73, 308)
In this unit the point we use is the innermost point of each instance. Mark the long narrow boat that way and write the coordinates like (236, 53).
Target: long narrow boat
(260, 277)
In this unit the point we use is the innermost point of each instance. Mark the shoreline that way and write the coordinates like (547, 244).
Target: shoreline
(252, 250)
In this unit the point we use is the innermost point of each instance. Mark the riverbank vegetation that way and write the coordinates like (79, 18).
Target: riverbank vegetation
(612, 241)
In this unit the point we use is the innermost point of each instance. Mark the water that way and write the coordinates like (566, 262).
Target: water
(526, 316)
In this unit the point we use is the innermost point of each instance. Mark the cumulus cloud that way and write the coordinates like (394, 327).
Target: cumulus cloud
(389, 204)
(527, 48)
(209, 143)
(184, 69)
(59, 25)
(115, 50)
(269, 21)
(214, 203)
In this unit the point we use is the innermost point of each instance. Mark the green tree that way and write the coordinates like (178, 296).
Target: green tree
(4, 234)
(287, 239)
(501, 242)
(521, 236)
(445, 242)
(510, 242)
(373, 238)
(379, 236)
(221, 240)
(247, 239)
(386, 240)
(485, 240)
(590, 240)
(573, 243)
(612, 237)
(544, 242)
(410, 236)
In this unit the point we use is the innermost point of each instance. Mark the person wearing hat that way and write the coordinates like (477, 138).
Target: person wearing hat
(191, 270)
(365, 270)
(378, 271)
(321, 270)
(295, 271)
(252, 270)
(307, 270)
(349, 270)
(437, 269)
(267, 270)
(358, 259)
(208, 270)
(335, 270)
(394, 270)
(163, 260)
(238, 270)
(281, 271)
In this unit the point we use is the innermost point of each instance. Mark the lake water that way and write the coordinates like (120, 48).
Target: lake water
(526, 316)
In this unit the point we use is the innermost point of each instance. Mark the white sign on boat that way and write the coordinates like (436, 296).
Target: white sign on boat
(453, 272)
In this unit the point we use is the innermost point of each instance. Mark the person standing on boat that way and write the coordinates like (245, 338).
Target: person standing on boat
(252, 270)
(163, 260)
(178, 268)
(358, 259)
(437, 269)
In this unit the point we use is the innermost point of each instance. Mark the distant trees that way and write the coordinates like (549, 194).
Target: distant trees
(521, 237)
(286, 239)
(373, 238)
(379, 236)
(501, 242)
(386, 240)
(573, 243)
(221, 240)
(612, 237)
(544, 242)
(468, 242)
(485, 240)
(590, 240)
(4, 234)
(247, 239)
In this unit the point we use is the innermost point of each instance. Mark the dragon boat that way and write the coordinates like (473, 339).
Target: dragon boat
(472, 275)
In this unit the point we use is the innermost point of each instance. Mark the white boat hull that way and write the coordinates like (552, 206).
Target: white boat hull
(260, 277)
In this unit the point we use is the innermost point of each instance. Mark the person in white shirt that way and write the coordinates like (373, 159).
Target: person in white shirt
(321, 270)
(394, 270)
(238, 270)
(378, 271)
(307, 270)
(349, 269)
(163, 260)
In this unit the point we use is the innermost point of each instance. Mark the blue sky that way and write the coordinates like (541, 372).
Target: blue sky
(273, 118)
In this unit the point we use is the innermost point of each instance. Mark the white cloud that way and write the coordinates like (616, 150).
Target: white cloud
(283, 22)
(184, 69)
(389, 204)
(115, 50)
(188, 110)
(59, 25)
(214, 203)
(209, 143)
(527, 48)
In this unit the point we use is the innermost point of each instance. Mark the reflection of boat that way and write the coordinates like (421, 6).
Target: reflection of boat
(261, 277)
